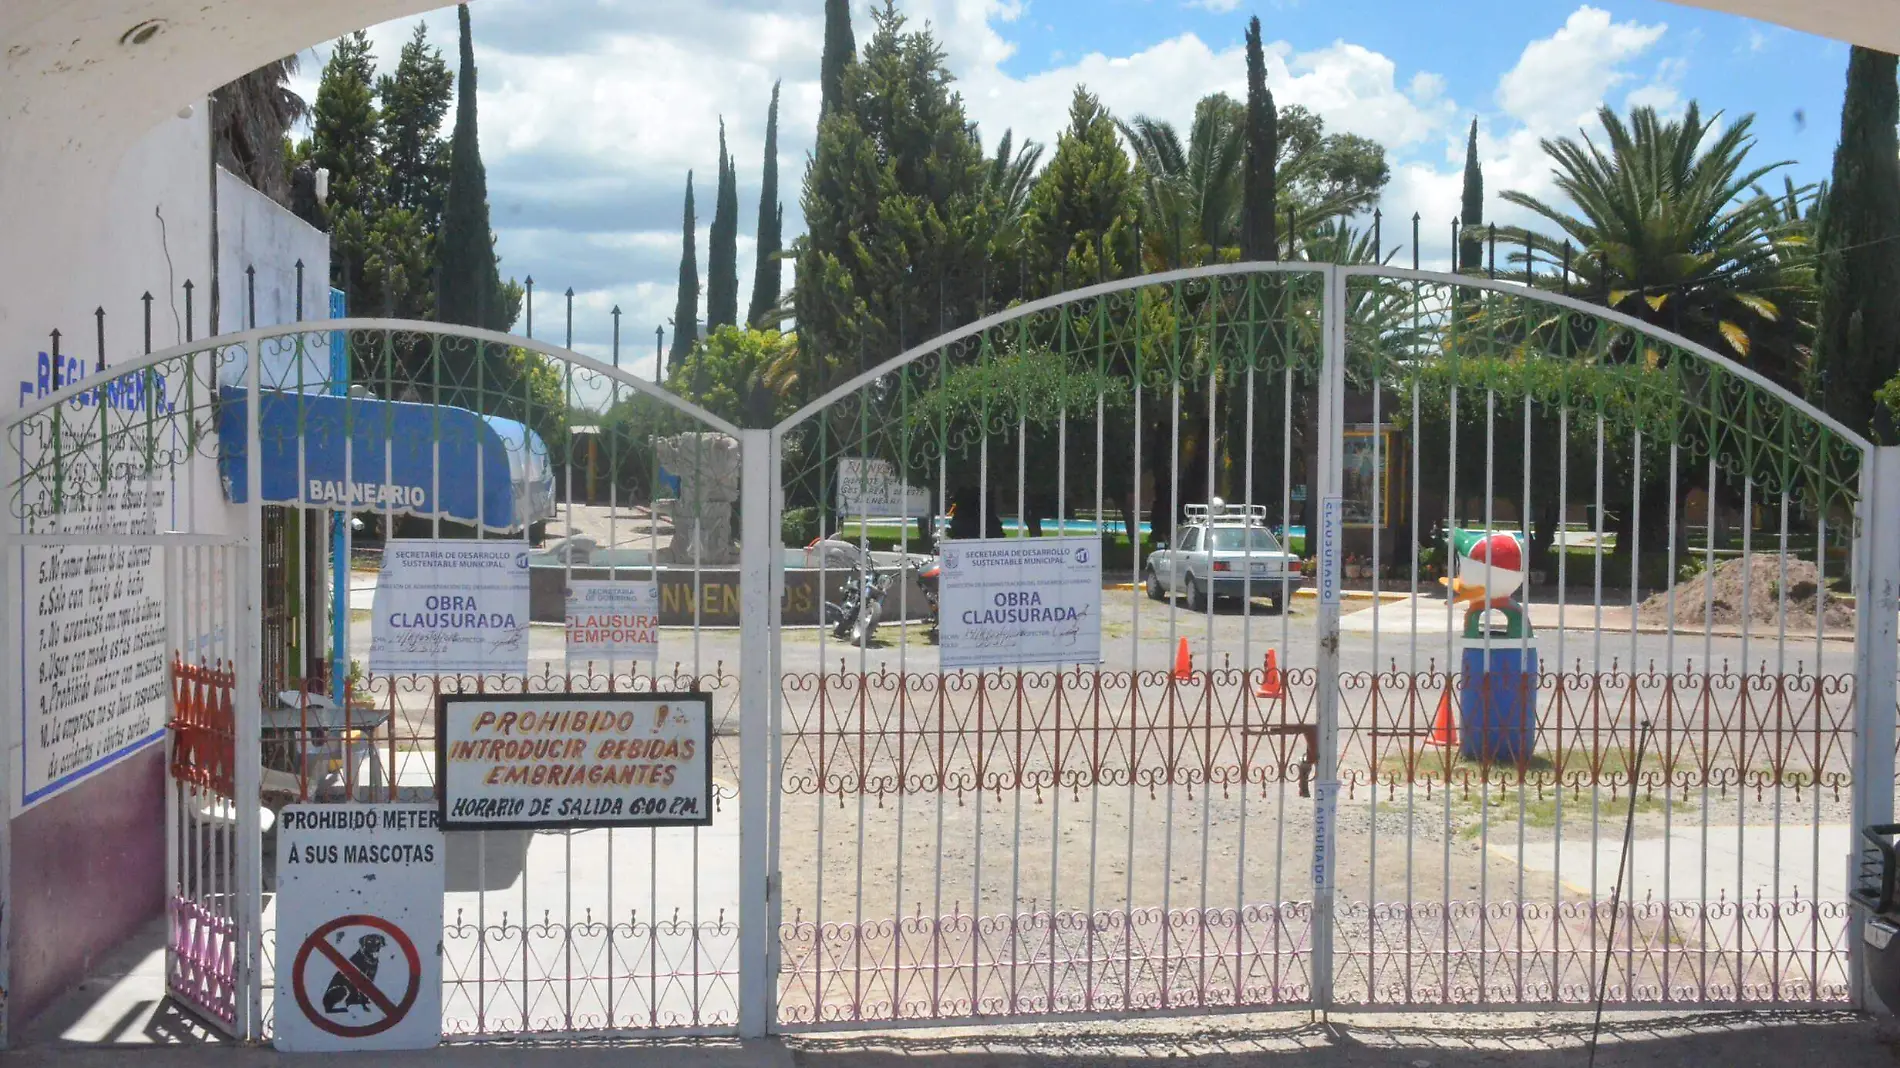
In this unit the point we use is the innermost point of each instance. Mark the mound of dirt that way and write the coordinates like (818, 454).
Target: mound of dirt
(1767, 587)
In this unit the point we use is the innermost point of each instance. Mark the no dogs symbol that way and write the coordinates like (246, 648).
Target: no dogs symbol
(356, 976)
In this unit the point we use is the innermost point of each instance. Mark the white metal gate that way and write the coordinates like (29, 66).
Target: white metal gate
(1238, 809)
(1252, 801)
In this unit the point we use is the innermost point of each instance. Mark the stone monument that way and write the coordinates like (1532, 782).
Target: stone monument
(707, 466)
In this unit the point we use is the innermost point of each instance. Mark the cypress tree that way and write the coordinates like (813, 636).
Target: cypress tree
(345, 131)
(894, 190)
(1470, 245)
(766, 278)
(686, 306)
(1260, 196)
(1079, 220)
(415, 98)
(471, 293)
(1857, 340)
(722, 255)
(840, 50)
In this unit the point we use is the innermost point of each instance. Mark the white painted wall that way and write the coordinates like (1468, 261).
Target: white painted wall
(255, 233)
(153, 234)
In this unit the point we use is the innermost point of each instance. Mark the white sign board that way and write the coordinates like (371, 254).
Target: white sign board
(871, 488)
(448, 606)
(94, 670)
(575, 760)
(1021, 601)
(614, 620)
(1331, 531)
(359, 928)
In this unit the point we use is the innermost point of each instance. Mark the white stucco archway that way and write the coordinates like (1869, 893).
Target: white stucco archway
(85, 83)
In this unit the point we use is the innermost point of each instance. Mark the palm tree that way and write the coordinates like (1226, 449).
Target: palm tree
(250, 119)
(1669, 226)
(1190, 197)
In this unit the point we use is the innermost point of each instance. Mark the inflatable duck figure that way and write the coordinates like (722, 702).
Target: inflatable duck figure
(1490, 576)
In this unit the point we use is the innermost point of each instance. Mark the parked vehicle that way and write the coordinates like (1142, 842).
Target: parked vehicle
(1225, 551)
(857, 613)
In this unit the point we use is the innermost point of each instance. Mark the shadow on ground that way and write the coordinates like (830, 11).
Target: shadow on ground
(1722, 1039)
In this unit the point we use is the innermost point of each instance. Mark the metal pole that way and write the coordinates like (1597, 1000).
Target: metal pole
(248, 738)
(99, 316)
(757, 556)
(1332, 414)
(659, 354)
(1877, 599)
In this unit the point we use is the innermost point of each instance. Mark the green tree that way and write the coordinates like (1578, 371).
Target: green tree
(1669, 226)
(1192, 195)
(1079, 221)
(766, 277)
(471, 292)
(722, 252)
(840, 52)
(414, 101)
(899, 221)
(345, 136)
(730, 375)
(686, 302)
(1858, 345)
(1260, 210)
(1471, 238)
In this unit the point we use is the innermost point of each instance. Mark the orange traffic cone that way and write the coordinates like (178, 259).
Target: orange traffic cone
(1270, 678)
(1183, 662)
(1443, 733)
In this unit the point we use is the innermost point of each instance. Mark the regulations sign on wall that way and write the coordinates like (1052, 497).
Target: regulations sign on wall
(94, 667)
(614, 619)
(359, 928)
(575, 760)
(447, 606)
(1019, 601)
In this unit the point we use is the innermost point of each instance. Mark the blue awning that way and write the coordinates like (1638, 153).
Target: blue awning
(394, 448)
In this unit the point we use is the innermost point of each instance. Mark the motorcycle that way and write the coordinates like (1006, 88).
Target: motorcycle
(856, 615)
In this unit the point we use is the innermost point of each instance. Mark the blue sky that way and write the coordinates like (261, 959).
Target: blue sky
(592, 111)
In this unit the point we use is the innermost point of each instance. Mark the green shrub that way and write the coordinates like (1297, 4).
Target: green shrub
(799, 527)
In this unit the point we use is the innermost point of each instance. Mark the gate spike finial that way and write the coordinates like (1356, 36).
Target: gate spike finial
(1415, 220)
(99, 316)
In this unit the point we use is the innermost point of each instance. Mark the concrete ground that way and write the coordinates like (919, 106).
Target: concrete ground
(1284, 1040)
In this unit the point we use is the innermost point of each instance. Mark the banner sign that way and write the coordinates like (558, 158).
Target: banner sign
(871, 488)
(359, 928)
(448, 606)
(574, 760)
(1021, 601)
(614, 620)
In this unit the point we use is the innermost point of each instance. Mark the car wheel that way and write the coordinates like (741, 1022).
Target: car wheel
(1196, 598)
(1154, 587)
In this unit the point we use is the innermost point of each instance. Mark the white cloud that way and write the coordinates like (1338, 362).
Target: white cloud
(1218, 7)
(590, 123)
(1560, 80)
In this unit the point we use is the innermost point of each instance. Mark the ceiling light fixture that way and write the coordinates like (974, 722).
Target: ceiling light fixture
(142, 32)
